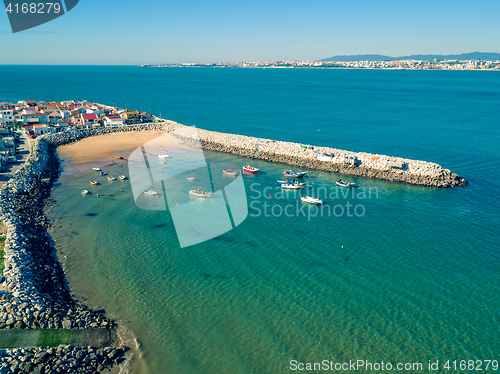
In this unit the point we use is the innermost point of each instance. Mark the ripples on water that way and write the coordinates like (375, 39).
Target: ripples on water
(414, 279)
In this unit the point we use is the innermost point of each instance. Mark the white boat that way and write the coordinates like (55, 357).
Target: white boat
(292, 186)
(231, 172)
(342, 183)
(96, 169)
(110, 178)
(85, 192)
(311, 200)
(150, 193)
(94, 183)
(191, 178)
(293, 174)
(200, 193)
(292, 182)
(122, 177)
(163, 157)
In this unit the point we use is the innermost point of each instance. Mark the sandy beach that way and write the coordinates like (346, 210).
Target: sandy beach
(110, 147)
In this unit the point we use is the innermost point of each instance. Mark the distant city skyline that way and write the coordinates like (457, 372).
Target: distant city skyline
(157, 32)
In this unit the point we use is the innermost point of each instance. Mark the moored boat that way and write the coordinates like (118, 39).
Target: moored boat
(231, 172)
(342, 183)
(103, 173)
(292, 186)
(250, 169)
(311, 200)
(191, 178)
(122, 177)
(293, 174)
(150, 193)
(163, 157)
(292, 182)
(96, 169)
(110, 178)
(199, 193)
(94, 183)
(85, 192)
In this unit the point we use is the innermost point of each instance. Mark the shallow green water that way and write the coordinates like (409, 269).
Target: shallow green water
(405, 282)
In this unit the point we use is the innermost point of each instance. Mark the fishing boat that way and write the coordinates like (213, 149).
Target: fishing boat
(122, 177)
(292, 182)
(199, 193)
(191, 178)
(103, 173)
(110, 178)
(342, 183)
(85, 192)
(96, 169)
(292, 186)
(311, 200)
(250, 169)
(231, 172)
(293, 174)
(94, 183)
(150, 193)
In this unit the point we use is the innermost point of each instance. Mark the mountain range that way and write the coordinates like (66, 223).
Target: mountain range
(488, 56)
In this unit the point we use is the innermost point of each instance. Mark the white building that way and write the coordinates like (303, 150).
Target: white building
(7, 117)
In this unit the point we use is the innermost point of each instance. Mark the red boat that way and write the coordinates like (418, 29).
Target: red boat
(250, 169)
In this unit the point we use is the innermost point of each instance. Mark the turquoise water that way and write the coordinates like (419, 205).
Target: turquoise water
(414, 278)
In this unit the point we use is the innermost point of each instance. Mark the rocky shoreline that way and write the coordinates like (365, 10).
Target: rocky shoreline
(361, 164)
(38, 296)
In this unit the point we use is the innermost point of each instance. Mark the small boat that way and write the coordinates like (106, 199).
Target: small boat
(311, 200)
(163, 157)
(292, 174)
(250, 169)
(96, 169)
(103, 173)
(122, 177)
(85, 192)
(110, 178)
(342, 183)
(292, 186)
(231, 172)
(94, 183)
(200, 193)
(191, 178)
(150, 193)
(292, 182)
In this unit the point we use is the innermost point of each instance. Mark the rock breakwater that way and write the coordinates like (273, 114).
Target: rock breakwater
(61, 359)
(334, 160)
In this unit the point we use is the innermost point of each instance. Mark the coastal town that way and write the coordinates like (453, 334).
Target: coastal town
(34, 118)
(400, 64)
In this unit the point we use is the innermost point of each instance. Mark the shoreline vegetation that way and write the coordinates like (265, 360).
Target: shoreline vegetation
(38, 296)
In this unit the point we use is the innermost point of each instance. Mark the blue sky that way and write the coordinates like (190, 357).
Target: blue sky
(133, 32)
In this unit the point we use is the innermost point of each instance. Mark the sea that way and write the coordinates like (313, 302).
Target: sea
(382, 274)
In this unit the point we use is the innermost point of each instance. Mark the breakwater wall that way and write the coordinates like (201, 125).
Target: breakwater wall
(334, 160)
